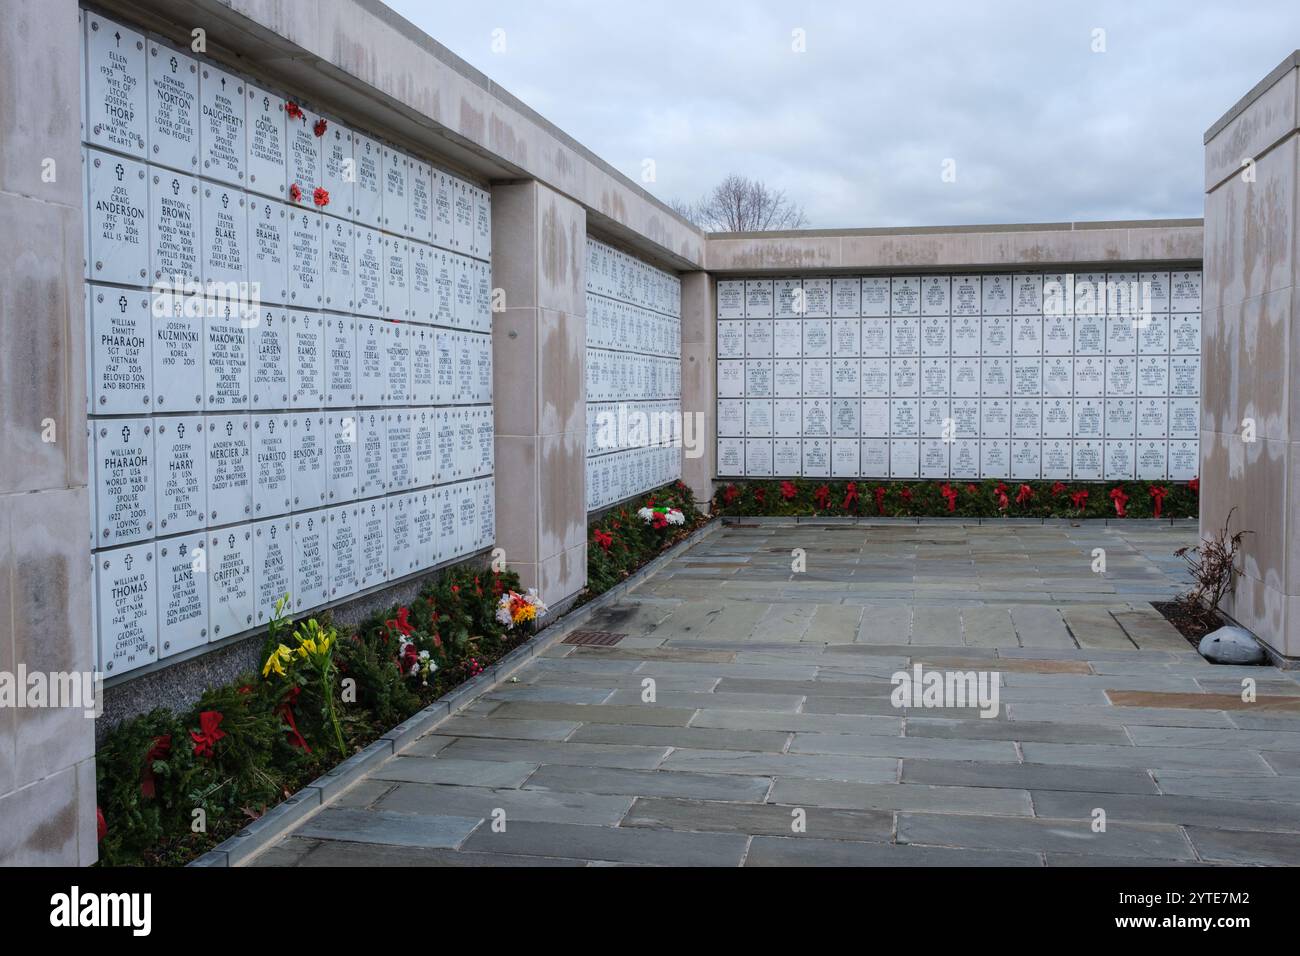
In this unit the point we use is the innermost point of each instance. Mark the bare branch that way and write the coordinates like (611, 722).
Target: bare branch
(740, 204)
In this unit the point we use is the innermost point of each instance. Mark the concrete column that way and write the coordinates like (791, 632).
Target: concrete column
(1251, 350)
(47, 764)
(699, 387)
(539, 342)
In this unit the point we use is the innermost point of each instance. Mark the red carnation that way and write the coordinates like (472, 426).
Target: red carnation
(320, 197)
(319, 127)
(295, 192)
(604, 539)
(293, 110)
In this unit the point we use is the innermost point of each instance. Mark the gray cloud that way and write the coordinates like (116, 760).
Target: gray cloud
(857, 128)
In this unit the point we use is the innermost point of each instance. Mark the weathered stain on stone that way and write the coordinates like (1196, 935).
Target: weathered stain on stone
(555, 249)
(472, 123)
(505, 142)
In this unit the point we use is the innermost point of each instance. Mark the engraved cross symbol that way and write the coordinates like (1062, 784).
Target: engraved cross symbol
(230, 428)
(180, 429)
(121, 304)
(230, 542)
(270, 426)
(120, 171)
(225, 197)
(273, 532)
(126, 433)
(176, 187)
(266, 103)
(128, 561)
(311, 523)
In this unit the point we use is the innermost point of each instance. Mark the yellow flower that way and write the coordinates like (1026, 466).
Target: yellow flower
(275, 662)
(306, 646)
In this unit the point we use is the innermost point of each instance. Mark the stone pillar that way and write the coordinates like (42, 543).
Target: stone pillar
(1251, 350)
(539, 342)
(47, 763)
(699, 388)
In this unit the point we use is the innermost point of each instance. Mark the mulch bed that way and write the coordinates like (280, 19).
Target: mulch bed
(1191, 626)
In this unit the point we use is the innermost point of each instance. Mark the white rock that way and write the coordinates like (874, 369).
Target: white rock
(1231, 645)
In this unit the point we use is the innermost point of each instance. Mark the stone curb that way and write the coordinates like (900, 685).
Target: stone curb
(313, 797)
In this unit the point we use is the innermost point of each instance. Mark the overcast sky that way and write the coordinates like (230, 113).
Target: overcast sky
(859, 128)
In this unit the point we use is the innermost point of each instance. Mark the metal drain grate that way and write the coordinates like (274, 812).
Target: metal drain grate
(594, 638)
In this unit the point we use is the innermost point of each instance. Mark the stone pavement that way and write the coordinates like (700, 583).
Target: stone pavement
(772, 712)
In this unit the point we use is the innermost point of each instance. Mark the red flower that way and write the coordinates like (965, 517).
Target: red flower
(851, 498)
(788, 490)
(295, 192)
(292, 110)
(1117, 495)
(455, 589)
(160, 749)
(949, 494)
(101, 825)
(1079, 499)
(1024, 494)
(604, 539)
(320, 197)
(822, 496)
(1195, 485)
(208, 734)
(1158, 492)
(319, 127)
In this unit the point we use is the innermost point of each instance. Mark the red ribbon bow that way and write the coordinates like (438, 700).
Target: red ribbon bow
(1158, 492)
(208, 734)
(285, 710)
(1117, 495)
(729, 494)
(760, 495)
(949, 494)
(879, 494)
(851, 498)
(1024, 494)
(822, 496)
(1058, 488)
(1079, 499)
(788, 490)
(1001, 493)
(1195, 485)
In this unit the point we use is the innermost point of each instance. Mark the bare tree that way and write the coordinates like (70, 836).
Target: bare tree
(741, 204)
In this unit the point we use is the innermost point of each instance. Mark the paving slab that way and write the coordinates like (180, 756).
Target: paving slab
(1145, 841)
(613, 844)
(873, 826)
(809, 851)
(659, 783)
